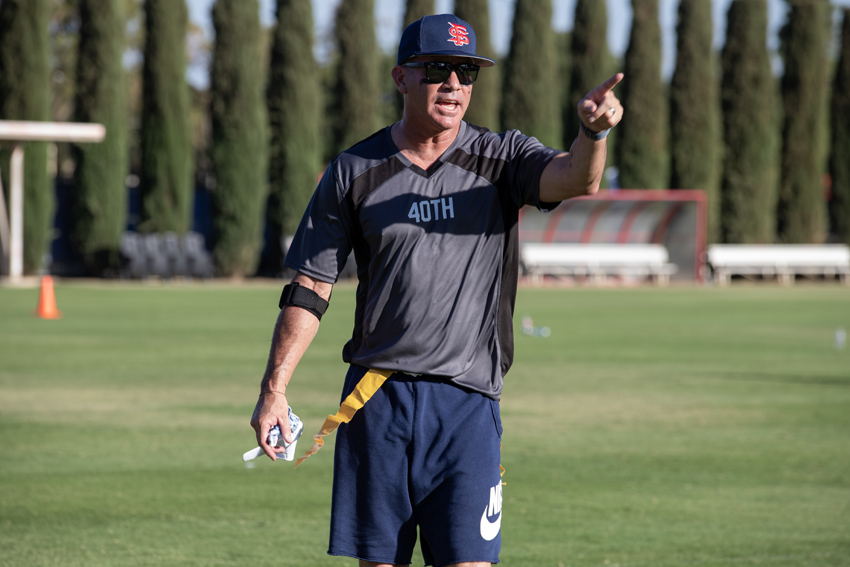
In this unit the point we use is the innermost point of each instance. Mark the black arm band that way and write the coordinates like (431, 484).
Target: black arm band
(299, 296)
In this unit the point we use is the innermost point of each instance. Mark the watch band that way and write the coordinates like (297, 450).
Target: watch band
(591, 134)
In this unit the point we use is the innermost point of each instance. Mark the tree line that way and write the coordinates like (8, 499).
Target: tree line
(771, 153)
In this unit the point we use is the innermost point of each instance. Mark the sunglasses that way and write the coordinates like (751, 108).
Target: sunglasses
(438, 72)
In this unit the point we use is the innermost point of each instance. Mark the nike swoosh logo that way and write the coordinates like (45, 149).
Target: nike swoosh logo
(489, 530)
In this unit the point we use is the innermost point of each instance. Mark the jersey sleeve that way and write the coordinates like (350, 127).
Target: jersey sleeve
(527, 158)
(322, 242)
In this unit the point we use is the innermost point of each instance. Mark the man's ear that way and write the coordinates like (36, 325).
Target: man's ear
(400, 78)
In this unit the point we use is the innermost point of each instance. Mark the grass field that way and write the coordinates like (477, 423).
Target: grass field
(654, 427)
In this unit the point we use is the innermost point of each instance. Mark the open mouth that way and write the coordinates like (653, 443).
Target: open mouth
(448, 104)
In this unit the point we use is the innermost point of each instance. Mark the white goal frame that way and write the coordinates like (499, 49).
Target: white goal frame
(12, 221)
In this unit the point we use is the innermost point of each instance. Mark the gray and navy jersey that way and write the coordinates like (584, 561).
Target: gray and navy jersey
(437, 251)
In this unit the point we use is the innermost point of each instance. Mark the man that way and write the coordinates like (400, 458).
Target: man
(430, 208)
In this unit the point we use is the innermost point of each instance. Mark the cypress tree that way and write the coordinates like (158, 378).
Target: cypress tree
(239, 137)
(695, 110)
(356, 92)
(839, 162)
(642, 143)
(293, 96)
(590, 58)
(64, 36)
(748, 98)
(416, 9)
(801, 214)
(166, 145)
(25, 95)
(413, 10)
(390, 100)
(529, 103)
(100, 195)
(483, 109)
(564, 70)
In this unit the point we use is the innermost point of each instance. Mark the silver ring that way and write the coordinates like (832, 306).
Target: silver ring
(613, 111)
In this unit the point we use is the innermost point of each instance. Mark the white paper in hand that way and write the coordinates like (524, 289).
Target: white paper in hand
(276, 440)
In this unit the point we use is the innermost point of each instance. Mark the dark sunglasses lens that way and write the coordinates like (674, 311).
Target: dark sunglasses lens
(467, 73)
(437, 72)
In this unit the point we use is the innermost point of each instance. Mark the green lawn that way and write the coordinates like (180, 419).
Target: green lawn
(654, 427)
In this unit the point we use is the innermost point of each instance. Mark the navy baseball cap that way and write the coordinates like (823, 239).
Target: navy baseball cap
(442, 34)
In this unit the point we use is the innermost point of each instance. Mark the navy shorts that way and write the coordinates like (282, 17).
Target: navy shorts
(421, 453)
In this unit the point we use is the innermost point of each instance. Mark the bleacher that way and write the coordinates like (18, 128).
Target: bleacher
(165, 255)
(596, 262)
(783, 262)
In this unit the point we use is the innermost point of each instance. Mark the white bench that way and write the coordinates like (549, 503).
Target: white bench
(781, 261)
(597, 261)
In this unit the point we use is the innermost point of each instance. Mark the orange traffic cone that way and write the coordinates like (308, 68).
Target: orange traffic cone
(47, 300)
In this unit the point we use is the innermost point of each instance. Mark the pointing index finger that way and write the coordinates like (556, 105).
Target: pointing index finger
(611, 83)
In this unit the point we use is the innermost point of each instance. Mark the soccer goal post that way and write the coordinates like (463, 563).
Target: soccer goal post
(18, 133)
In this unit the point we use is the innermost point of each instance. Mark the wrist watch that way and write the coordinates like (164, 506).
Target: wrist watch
(596, 136)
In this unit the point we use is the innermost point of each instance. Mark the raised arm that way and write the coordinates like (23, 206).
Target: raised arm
(293, 333)
(579, 171)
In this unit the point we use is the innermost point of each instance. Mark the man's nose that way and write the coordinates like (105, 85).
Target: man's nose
(453, 82)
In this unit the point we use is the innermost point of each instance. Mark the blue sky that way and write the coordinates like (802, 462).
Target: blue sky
(389, 15)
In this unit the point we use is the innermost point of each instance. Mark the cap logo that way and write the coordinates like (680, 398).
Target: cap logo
(459, 35)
